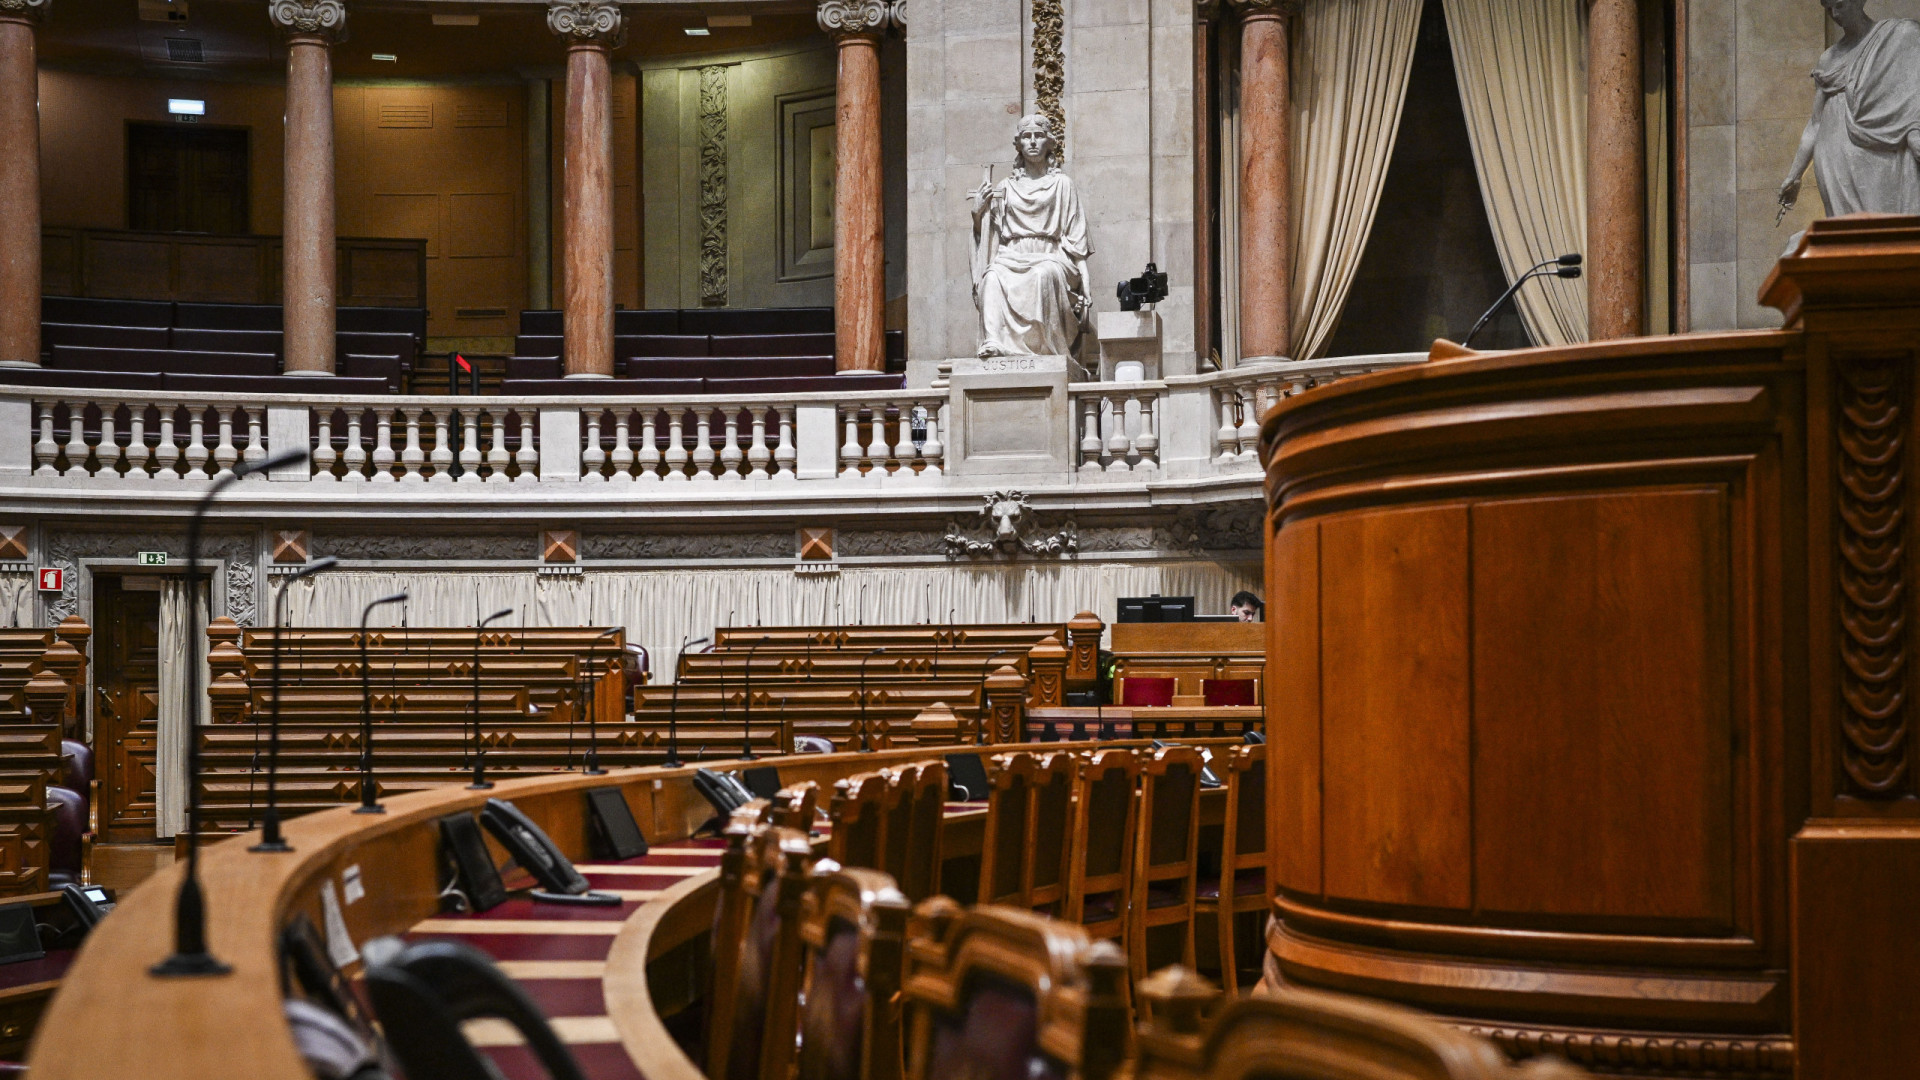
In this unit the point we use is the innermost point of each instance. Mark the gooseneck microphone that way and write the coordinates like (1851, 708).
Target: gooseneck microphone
(593, 719)
(746, 725)
(866, 745)
(673, 711)
(480, 781)
(368, 803)
(270, 838)
(1565, 266)
(190, 955)
(986, 706)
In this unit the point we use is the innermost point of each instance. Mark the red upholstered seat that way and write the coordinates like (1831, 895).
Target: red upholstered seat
(1146, 691)
(1227, 691)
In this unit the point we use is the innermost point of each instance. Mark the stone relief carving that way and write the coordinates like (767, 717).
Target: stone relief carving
(713, 185)
(663, 546)
(587, 21)
(1199, 528)
(1050, 68)
(891, 542)
(840, 18)
(1012, 530)
(1863, 139)
(327, 18)
(66, 549)
(413, 547)
(1030, 252)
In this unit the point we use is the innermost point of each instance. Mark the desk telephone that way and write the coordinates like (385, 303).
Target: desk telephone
(560, 882)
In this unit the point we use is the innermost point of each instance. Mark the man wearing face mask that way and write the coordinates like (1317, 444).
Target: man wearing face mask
(1030, 252)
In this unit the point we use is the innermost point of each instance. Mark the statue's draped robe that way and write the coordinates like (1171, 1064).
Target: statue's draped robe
(1027, 267)
(1867, 153)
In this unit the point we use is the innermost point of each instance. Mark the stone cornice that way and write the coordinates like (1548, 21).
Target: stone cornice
(31, 10)
(587, 22)
(855, 18)
(308, 18)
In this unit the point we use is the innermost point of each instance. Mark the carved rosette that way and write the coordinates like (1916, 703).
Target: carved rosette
(326, 19)
(587, 22)
(1873, 397)
(840, 19)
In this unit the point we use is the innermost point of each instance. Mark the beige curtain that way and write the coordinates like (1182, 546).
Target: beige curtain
(169, 782)
(1523, 85)
(1350, 62)
(660, 607)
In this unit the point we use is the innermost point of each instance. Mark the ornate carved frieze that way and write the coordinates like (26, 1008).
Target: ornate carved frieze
(1050, 69)
(846, 18)
(1011, 529)
(587, 22)
(308, 18)
(713, 186)
(66, 549)
(27, 9)
(769, 545)
(410, 546)
(1874, 404)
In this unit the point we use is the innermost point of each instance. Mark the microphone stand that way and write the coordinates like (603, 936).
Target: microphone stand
(986, 707)
(270, 838)
(368, 803)
(1566, 266)
(746, 726)
(593, 721)
(190, 955)
(866, 745)
(673, 713)
(480, 781)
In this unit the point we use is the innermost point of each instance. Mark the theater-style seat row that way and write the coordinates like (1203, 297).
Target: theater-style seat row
(185, 316)
(805, 320)
(188, 382)
(627, 345)
(875, 381)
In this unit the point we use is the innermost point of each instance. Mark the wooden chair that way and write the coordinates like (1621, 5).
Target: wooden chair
(1000, 993)
(795, 806)
(920, 871)
(896, 819)
(1051, 822)
(1167, 855)
(855, 812)
(1101, 868)
(853, 926)
(1242, 883)
(1003, 850)
(1295, 1034)
(756, 951)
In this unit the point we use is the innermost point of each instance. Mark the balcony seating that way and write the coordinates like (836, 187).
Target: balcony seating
(746, 367)
(625, 345)
(166, 361)
(598, 387)
(227, 316)
(770, 345)
(383, 320)
(362, 366)
(874, 381)
(80, 380)
(815, 320)
(523, 367)
(271, 384)
(82, 309)
(538, 345)
(99, 336)
(377, 344)
(254, 341)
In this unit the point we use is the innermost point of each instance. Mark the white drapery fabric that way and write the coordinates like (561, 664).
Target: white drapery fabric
(169, 781)
(1522, 73)
(1350, 63)
(661, 607)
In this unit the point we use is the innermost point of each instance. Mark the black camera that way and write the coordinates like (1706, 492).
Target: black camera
(1149, 288)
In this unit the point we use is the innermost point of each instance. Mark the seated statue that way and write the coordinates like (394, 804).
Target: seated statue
(1863, 139)
(1030, 252)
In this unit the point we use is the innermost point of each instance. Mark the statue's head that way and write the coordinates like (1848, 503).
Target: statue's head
(1034, 141)
(1840, 11)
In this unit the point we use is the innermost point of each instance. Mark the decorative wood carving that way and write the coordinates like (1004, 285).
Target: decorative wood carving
(291, 546)
(713, 185)
(1688, 1055)
(1873, 406)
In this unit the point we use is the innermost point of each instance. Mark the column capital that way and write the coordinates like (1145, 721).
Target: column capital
(841, 19)
(1248, 9)
(24, 9)
(307, 18)
(587, 22)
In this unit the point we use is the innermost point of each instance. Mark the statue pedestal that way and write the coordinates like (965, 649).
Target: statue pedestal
(1129, 345)
(1007, 420)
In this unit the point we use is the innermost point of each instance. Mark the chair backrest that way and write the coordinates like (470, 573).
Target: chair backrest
(853, 927)
(422, 992)
(1103, 837)
(1169, 815)
(1244, 838)
(1146, 691)
(896, 819)
(855, 811)
(759, 946)
(793, 807)
(1052, 823)
(1295, 1034)
(1229, 691)
(1000, 993)
(926, 824)
(1003, 850)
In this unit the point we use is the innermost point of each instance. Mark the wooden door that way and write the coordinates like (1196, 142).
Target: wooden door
(186, 179)
(125, 730)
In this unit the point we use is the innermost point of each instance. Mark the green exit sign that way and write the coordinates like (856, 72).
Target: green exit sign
(153, 558)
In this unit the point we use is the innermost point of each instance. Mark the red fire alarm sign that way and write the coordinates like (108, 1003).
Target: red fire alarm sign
(52, 579)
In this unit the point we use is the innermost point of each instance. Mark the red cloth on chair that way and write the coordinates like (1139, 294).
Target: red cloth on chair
(1227, 691)
(1146, 692)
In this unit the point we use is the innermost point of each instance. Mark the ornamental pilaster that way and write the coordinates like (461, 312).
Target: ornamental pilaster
(322, 19)
(587, 22)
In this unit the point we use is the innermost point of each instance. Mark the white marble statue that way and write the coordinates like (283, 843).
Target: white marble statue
(1864, 136)
(1030, 252)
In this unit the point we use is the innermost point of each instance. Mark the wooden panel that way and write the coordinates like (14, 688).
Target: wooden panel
(1293, 708)
(59, 262)
(381, 277)
(213, 271)
(481, 225)
(410, 214)
(128, 266)
(1855, 951)
(1602, 744)
(1394, 658)
(1189, 638)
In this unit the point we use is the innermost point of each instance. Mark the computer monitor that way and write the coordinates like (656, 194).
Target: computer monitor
(1155, 609)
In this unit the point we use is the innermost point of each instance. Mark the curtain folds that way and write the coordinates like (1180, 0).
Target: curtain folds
(1521, 69)
(660, 607)
(169, 781)
(1350, 64)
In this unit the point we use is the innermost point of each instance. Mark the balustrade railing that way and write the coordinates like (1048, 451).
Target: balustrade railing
(1241, 396)
(679, 443)
(440, 443)
(897, 437)
(136, 440)
(1117, 427)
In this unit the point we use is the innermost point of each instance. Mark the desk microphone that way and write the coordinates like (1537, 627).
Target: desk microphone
(593, 720)
(866, 746)
(746, 725)
(673, 713)
(270, 838)
(369, 804)
(480, 781)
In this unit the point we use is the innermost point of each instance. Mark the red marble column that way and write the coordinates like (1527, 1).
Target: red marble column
(859, 232)
(1266, 178)
(592, 30)
(19, 184)
(308, 276)
(1616, 173)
